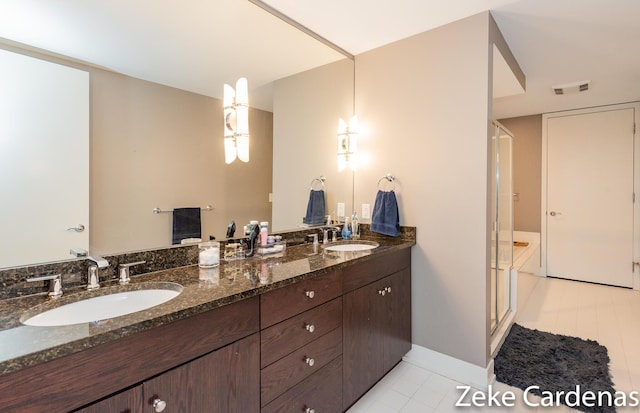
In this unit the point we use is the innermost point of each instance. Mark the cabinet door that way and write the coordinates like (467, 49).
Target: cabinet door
(397, 340)
(227, 380)
(127, 401)
(363, 338)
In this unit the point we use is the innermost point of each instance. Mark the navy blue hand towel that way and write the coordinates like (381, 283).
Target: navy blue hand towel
(385, 218)
(186, 224)
(315, 208)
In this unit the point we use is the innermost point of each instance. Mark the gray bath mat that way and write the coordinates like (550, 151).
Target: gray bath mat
(555, 363)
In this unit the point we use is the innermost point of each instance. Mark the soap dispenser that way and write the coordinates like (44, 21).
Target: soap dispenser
(346, 233)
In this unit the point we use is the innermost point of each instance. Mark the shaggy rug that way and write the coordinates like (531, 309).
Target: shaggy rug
(555, 363)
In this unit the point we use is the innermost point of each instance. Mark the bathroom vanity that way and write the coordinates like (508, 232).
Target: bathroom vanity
(311, 331)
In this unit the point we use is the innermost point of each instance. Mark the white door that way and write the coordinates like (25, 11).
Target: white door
(44, 160)
(589, 211)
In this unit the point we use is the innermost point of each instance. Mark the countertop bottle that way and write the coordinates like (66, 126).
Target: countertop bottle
(346, 233)
(264, 232)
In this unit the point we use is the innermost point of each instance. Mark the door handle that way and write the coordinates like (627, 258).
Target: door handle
(554, 213)
(79, 228)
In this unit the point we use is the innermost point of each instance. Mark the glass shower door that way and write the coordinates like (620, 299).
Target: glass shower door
(502, 230)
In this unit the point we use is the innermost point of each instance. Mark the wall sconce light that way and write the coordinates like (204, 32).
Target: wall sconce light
(347, 143)
(236, 122)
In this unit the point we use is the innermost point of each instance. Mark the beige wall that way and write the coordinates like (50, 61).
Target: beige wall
(305, 141)
(156, 146)
(527, 170)
(424, 106)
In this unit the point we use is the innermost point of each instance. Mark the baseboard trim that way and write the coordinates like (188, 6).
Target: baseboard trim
(451, 367)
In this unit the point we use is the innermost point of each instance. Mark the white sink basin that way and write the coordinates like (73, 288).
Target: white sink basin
(352, 246)
(103, 307)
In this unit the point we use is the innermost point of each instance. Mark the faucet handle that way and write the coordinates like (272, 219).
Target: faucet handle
(93, 281)
(55, 283)
(335, 231)
(314, 237)
(325, 235)
(124, 271)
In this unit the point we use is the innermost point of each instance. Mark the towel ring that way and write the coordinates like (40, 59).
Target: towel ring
(389, 178)
(320, 180)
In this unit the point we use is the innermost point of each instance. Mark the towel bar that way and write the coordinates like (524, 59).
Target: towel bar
(389, 178)
(320, 180)
(158, 210)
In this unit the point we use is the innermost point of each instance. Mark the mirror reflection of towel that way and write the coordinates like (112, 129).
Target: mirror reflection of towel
(315, 208)
(385, 218)
(186, 224)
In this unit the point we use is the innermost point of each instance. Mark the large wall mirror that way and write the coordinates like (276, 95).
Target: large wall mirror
(155, 145)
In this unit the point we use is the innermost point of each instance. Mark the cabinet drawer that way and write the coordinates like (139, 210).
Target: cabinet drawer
(281, 339)
(376, 268)
(288, 371)
(322, 392)
(293, 299)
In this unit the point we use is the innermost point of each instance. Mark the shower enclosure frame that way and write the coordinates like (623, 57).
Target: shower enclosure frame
(502, 275)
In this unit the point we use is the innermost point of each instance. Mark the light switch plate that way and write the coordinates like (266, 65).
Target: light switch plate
(270, 197)
(340, 211)
(366, 211)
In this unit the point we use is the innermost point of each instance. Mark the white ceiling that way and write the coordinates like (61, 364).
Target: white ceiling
(198, 45)
(195, 45)
(554, 41)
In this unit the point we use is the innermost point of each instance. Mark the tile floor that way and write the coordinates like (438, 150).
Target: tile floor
(608, 315)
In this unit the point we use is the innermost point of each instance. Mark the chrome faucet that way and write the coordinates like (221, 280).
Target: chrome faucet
(100, 262)
(55, 283)
(125, 273)
(334, 237)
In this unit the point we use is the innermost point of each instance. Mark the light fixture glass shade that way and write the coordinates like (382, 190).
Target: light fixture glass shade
(242, 120)
(242, 145)
(229, 149)
(229, 111)
(347, 144)
(236, 122)
(242, 92)
(229, 96)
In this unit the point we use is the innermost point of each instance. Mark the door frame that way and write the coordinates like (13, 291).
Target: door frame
(636, 183)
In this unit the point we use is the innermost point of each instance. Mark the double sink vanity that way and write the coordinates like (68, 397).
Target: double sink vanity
(308, 331)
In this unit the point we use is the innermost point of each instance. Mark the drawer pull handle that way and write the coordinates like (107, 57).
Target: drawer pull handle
(309, 361)
(310, 294)
(385, 291)
(159, 405)
(310, 410)
(310, 327)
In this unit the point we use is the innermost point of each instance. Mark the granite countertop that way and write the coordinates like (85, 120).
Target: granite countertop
(203, 289)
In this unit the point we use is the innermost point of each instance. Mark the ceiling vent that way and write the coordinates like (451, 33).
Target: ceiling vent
(571, 87)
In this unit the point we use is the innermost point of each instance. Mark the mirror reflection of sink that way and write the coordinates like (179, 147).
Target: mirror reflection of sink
(110, 305)
(359, 245)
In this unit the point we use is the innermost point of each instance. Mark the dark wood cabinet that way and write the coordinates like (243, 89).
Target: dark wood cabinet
(376, 332)
(315, 345)
(226, 380)
(126, 401)
(320, 392)
(301, 346)
(397, 337)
